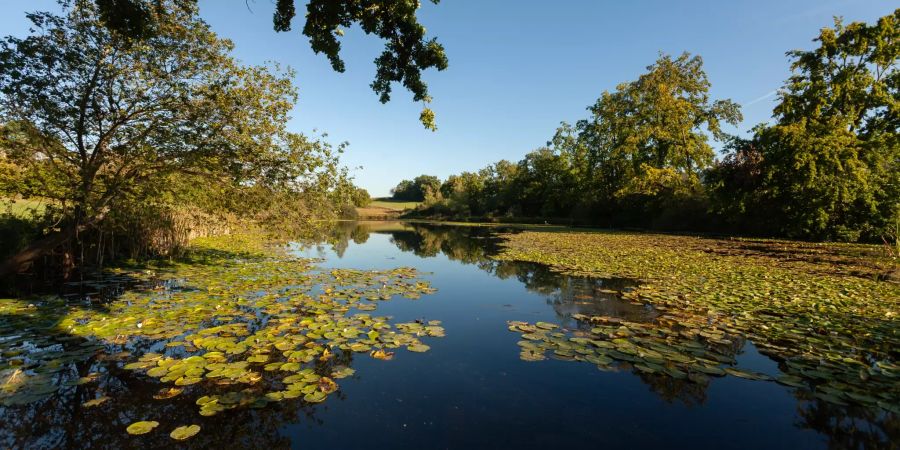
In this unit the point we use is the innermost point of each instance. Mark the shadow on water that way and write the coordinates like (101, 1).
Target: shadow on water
(53, 373)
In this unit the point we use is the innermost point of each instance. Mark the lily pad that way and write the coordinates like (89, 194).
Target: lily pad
(418, 348)
(142, 427)
(184, 432)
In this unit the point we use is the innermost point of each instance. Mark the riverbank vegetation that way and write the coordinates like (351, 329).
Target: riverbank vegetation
(138, 130)
(827, 168)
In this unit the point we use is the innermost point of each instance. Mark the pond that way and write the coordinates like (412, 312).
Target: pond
(458, 379)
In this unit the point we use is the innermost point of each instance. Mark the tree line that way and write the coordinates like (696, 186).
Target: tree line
(827, 168)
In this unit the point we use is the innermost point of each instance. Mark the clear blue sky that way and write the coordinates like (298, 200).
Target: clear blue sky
(517, 68)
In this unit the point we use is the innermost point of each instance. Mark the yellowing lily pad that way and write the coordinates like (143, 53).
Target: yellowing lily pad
(142, 427)
(184, 432)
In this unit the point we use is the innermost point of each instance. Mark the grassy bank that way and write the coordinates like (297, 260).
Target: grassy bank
(22, 208)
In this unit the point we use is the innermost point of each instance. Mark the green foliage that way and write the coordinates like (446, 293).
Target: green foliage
(120, 134)
(417, 189)
(16, 233)
(406, 53)
(638, 158)
(655, 121)
(361, 197)
(112, 120)
(829, 168)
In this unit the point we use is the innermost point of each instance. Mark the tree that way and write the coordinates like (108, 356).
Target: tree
(426, 184)
(405, 190)
(656, 122)
(406, 51)
(416, 190)
(95, 120)
(361, 197)
(464, 193)
(829, 168)
(545, 185)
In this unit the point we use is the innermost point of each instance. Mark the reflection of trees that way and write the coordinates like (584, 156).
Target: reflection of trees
(469, 245)
(567, 295)
(846, 427)
(671, 389)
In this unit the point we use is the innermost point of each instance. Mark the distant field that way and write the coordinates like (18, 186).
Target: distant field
(22, 207)
(385, 208)
(395, 205)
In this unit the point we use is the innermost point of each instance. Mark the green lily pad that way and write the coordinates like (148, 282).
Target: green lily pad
(418, 348)
(315, 397)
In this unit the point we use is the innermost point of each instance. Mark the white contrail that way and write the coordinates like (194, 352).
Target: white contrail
(757, 100)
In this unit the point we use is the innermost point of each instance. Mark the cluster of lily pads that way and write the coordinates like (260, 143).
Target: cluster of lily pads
(243, 326)
(647, 347)
(835, 332)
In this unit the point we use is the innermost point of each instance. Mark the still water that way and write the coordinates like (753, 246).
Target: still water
(471, 390)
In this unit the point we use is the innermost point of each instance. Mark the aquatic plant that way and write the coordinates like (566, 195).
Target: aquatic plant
(239, 323)
(818, 309)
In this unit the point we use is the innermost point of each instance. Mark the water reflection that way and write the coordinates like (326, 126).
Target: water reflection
(62, 420)
(474, 245)
(851, 427)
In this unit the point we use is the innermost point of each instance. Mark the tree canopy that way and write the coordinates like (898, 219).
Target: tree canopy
(644, 145)
(407, 52)
(99, 125)
(829, 167)
(417, 189)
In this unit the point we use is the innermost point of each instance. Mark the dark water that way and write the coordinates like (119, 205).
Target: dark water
(471, 390)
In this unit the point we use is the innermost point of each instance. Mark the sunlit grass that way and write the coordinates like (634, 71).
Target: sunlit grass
(21, 207)
(395, 205)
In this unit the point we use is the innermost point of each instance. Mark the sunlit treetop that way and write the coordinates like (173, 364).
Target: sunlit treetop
(406, 53)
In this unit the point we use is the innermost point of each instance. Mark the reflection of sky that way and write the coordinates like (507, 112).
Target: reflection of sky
(471, 390)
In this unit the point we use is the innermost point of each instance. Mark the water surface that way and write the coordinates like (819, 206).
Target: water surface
(471, 390)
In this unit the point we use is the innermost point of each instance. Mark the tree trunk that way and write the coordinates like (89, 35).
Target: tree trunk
(20, 261)
(46, 244)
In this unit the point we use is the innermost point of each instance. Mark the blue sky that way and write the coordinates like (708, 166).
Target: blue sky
(517, 68)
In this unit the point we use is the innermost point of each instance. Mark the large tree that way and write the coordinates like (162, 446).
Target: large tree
(406, 53)
(642, 151)
(93, 119)
(650, 135)
(829, 168)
